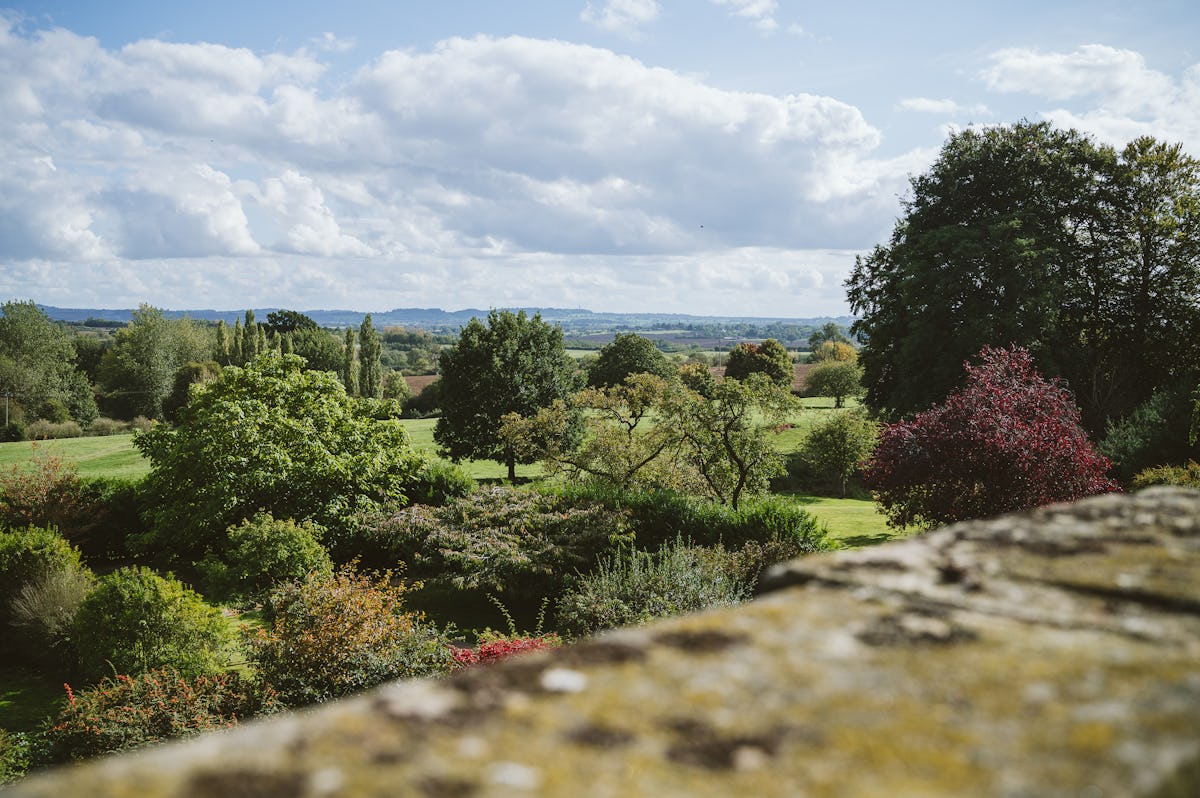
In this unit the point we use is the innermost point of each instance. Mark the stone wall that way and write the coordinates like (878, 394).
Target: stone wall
(1051, 653)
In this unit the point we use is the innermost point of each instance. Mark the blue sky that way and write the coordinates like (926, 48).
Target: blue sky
(707, 156)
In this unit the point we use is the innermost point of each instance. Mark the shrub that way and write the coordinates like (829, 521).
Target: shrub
(501, 648)
(262, 553)
(1154, 433)
(15, 750)
(104, 426)
(42, 492)
(633, 587)
(1009, 440)
(335, 634)
(437, 482)
(46, 430)
(12, 431)
(110, 512)
(28, 556)
(659, 517)
(501, 540)
(126, 712)
(1187, 476)
(270, 437)
(43, 614)
(136, 620)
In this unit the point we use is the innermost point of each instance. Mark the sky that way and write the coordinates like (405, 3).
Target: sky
(713, 157)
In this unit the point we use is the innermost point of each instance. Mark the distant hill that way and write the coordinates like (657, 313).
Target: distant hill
(572, 319)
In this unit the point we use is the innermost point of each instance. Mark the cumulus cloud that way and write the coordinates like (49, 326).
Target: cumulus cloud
(298, 205)
(621, 16)
(183, 213)
(761, 13)
(926, 105)
(459, 168)
(1116, 94)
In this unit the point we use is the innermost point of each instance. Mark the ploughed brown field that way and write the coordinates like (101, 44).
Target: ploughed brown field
(799, 372)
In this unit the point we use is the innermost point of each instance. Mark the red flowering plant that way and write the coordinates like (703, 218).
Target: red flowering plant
(1010, 439)
(502, 648)
(494, 646)
(125, 712)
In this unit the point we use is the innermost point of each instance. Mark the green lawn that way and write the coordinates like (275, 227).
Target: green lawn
(27, 698)
(108, 456)
(420, 432)
(853, 522)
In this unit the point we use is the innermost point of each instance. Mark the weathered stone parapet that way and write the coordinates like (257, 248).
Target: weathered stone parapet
(1050, 653)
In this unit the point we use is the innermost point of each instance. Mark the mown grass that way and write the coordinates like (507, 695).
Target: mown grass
(852, 522)
(108, 456)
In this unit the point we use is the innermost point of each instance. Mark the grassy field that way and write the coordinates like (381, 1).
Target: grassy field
(109, 456)
(853, 522)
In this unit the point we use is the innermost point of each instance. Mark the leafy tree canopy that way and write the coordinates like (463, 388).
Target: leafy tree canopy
(831, 333)
(138, 372)
(1087, 256)
(37, 363)
(513, 364)
(626, 354)
(1009, 440)
(769, 358)
(275, 438)
(836, 378)
(288, 321)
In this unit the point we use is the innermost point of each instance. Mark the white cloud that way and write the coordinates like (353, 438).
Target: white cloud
(298, 205)
(468, 163)
(926, 105)
(332, 43)
(761, 13)
(181, 213)
(621, 16)
(1114, 94)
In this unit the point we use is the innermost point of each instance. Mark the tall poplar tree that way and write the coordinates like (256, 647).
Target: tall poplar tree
(370, 370)
(349, 370)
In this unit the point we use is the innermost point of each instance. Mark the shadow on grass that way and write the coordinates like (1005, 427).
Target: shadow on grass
(858, 541)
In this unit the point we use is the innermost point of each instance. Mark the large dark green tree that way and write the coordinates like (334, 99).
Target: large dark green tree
(1042, 238)
(512, 364)
(626, 354)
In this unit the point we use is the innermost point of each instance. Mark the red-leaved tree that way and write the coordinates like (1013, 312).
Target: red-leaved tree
(1009, 440)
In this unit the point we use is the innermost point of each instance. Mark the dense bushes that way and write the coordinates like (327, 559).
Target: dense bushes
(499, 539)
(1009, 440)
(335, 634)
(633, 587)
(1186, 476)
(27, 556)
(659, 517)
(126, 712)
(271, 437)
(263, 552)
(136, 620)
